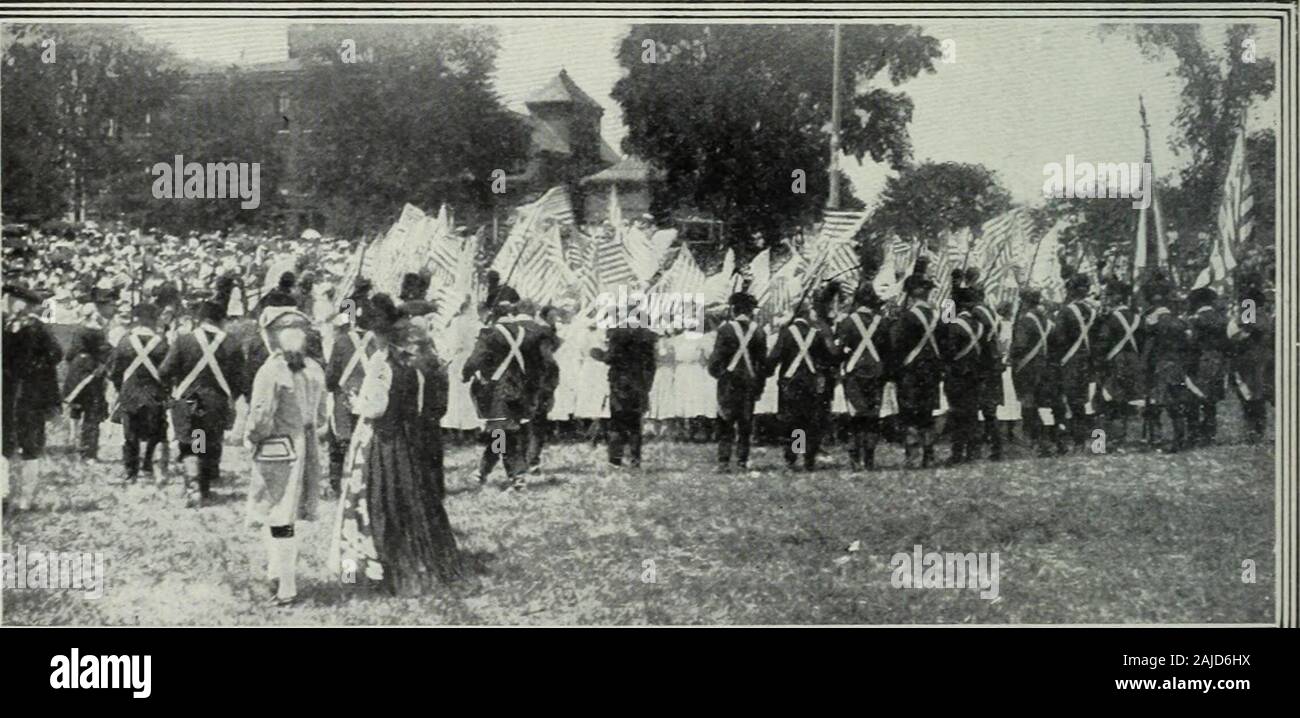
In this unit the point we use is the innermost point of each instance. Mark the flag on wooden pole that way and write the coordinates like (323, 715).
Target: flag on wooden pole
(1236, 220)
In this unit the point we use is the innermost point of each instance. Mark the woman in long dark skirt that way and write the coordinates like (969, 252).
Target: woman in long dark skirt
(392, 526)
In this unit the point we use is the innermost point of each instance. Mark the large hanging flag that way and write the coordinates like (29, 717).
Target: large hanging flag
(1141, 250)
(1236, 220)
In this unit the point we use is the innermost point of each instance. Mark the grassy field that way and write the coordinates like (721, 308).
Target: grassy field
(1081, 539)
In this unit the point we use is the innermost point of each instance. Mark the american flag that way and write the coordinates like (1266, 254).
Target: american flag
(786, 286)
(613, 266)
(641, 253)
(1236, 219)
(996, 251)
(450, 298)
(542, 275)
(833, 253)
(552, 208)
(950, 256)
(683, 276)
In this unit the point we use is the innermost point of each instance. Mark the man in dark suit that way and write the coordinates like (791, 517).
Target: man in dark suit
(630, 354)
(30, 360)
(206, 368)
(739, 363)
(862, 343)
(506, 365)
(141, 393)
(804, 360)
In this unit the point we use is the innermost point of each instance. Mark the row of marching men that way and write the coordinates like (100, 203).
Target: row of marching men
(190, 380)
(1084, 365)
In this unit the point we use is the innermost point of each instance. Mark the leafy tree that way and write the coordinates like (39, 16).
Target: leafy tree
(1218, 88)
(71, 95)
(404, 114)
(219, 121)
(737, 115)
(924, 201)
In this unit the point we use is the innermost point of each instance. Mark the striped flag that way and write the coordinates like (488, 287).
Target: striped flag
(641, 253)
(759, 273)
(683, 276)
(1045, 274)
(542, 275)
(950, 256)
(613, 266)
(995, 252)
(718, 287)
(786, 286)
(1236, 220)
(833, 253)
(552, 208)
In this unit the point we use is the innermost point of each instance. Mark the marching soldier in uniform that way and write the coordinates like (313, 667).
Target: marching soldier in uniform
(1165, 338)
(1207, 366)
(991, 365)
(206, 368)
(737, 362)
(506, 365)
(30, 360)
(1069, 363)
(344, 374)
(918, 366)
(1250, 335)
(630, 354)
(863, 344)
(1117, 360)
(85, 384)
(804, 359)
(1029, 371)
(141, 392)
(961, 341)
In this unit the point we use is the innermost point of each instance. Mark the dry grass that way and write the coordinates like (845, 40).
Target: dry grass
(1082, 539)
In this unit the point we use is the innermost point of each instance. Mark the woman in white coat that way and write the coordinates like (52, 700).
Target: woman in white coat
(285, 414)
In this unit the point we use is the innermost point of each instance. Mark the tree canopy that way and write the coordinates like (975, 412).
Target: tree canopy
(738, 116)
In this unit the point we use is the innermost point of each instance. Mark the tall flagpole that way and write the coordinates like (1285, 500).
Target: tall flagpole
(833, 197)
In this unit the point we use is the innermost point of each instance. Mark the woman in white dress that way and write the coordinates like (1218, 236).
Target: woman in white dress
(286, 412)
(695, 389)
